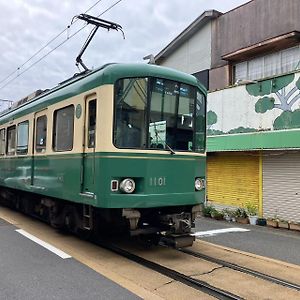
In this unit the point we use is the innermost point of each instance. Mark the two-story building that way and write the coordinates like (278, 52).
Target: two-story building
(249, 59)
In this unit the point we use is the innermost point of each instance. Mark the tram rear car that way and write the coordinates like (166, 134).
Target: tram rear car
(119, 147)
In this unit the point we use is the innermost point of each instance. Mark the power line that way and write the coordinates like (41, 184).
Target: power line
(109, 8)
(48, 53)
(46, 45)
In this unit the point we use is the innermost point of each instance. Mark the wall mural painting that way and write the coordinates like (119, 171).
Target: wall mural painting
(272, 104)
(282, 98)
(212, 119)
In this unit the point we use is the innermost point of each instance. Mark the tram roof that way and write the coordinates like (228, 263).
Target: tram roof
(107, 74)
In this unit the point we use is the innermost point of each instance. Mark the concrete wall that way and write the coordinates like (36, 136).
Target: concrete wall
(194, 55)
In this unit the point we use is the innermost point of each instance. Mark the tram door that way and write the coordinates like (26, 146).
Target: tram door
(88, 155)
(39, 176)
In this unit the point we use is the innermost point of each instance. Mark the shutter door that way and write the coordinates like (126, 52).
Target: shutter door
(281, 185)
(233, 179)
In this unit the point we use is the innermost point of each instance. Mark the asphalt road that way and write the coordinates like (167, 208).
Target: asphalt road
(29, 271)
(280, 244)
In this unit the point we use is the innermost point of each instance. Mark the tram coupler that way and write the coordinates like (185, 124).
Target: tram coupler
(177, 241)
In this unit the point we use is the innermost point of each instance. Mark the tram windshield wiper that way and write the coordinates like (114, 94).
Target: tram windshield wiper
(158, 136)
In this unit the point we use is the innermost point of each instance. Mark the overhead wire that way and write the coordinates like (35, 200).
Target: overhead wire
(46, 45)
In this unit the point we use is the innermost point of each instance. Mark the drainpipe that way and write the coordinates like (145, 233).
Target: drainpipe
(260, 185)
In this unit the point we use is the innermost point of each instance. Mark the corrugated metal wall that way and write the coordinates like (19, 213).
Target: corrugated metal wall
(233, 179)
(281, 185)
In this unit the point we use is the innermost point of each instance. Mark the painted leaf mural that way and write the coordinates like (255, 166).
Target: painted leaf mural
(269, 86)
(264, 106)
(285, 100)
(288, 119)
(212, 118)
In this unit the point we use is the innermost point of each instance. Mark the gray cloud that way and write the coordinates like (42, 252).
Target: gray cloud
(27, 25)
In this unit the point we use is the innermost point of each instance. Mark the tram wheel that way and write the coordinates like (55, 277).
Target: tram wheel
(71, 219)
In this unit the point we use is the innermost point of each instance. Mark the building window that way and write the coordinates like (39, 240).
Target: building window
(269, 65)
(41, 133)
(22, 138)
(11, 140)
(63, 129)
(2, 141)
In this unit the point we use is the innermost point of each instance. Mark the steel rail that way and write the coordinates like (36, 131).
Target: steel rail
(243, 269)
(187, 280)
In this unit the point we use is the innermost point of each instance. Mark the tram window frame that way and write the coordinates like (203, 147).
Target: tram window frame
(127, 134)
(22, 149)
(41, 134)
(62, 139)
(9, 149)
(92, 120)
(2, 141)
(198, 121)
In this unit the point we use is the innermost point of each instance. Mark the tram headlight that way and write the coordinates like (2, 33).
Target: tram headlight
(199, 184)
(127, 185)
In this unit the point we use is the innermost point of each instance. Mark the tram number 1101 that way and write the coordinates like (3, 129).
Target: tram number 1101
(157, 181)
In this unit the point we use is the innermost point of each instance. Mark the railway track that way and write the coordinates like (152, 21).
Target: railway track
(187, 280)
(242, 269)
(199, 284)
(226, 291)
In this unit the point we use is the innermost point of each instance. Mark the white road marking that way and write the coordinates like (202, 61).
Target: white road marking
(219, 231)
(51, 248)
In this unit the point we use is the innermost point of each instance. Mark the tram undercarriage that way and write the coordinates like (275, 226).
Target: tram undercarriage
(170, 226)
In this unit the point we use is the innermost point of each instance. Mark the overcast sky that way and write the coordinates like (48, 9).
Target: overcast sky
(28, 25)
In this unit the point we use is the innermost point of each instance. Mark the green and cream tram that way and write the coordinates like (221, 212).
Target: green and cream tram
(120, 147)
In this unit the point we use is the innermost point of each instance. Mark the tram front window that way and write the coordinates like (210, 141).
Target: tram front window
(131, 99)
(159, 114)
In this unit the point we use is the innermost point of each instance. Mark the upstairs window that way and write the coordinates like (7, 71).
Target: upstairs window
(273, 64)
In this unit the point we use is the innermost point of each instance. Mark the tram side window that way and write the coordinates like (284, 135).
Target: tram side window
(92, 124)
(63, 129)
(2, 141)
(41, 133)
(11, 140)
(22, 138)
